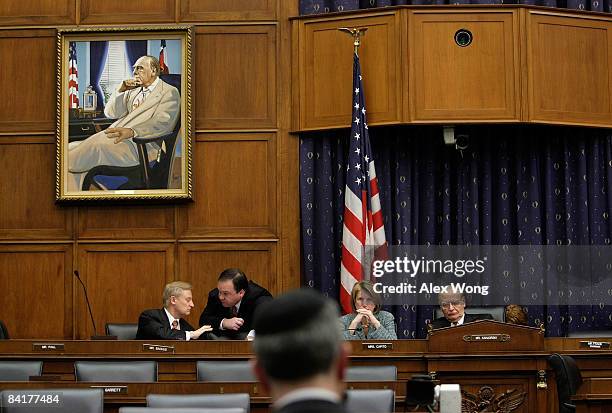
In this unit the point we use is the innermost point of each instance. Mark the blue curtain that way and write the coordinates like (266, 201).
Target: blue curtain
(98, 52)
(514, 185)
(135, 49)
(327, 6)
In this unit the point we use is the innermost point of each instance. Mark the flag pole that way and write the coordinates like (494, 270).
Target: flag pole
(363, 224)
(355, 33)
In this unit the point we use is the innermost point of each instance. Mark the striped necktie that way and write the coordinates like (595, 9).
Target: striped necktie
(141, 97)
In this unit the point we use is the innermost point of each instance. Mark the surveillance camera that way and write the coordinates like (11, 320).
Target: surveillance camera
(462, 142)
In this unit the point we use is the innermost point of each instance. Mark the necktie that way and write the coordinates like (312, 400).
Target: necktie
(175, 325)
(140, 98)
(454, 324)
(234, 311)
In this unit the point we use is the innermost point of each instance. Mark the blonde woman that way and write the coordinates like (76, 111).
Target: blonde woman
(367, 321)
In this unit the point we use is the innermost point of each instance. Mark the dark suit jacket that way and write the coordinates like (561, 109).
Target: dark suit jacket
(311, 406)
(154, 325)
(215, 312)
(469, 318)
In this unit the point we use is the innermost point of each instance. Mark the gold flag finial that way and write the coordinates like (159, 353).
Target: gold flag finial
(356, 32)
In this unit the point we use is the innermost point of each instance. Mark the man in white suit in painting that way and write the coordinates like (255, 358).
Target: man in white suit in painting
(144, 106)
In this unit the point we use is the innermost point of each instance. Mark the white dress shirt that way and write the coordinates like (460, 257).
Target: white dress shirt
(459, 322)
(178, 320)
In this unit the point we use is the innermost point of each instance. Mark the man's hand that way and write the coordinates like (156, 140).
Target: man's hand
(232, 323)
(128, 84)
(119, 134)
(197, 333)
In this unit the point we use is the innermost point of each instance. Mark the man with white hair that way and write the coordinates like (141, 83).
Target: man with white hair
(453, 309)
(144, 106)
(168, 323)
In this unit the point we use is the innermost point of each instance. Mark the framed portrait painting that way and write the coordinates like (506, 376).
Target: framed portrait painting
(124, 113)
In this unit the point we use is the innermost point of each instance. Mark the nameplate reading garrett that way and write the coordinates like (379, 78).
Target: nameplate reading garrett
(377, 346)
(157, 348)
(47, 346)
(112, 389)
(479, 338)
(595, 344)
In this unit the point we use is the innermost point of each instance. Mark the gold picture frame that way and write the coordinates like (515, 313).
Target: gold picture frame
(124, 113)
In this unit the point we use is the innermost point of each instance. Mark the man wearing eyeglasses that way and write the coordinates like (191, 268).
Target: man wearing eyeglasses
(453, 308)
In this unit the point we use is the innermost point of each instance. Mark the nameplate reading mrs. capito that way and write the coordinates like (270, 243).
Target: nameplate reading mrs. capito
(377, 346)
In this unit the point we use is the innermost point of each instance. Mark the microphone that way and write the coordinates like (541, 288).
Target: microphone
(95, 336)
(362, 328)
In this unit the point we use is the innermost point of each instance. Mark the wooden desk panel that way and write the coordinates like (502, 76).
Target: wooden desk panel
(480, 373)
(594, 396)
(135, 393)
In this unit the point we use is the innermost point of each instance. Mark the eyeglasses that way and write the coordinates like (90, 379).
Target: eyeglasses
(447, 304)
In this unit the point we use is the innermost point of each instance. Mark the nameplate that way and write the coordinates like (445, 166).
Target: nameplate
(112, 389)
(377, 346)
(157, 348)
(595, 344)
(479, 338)
(47, 346)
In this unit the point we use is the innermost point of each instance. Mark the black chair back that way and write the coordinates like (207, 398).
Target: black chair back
(371, 373)
(19, 370)
(123, 331)
(569, 379)
(240, 400)
(370, 401)
(116, 371)
(225, 370)
(181, 410)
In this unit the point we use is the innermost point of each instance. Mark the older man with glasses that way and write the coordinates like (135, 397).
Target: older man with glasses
(453, 308)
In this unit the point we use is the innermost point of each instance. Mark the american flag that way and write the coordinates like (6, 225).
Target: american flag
(73, 77)
(363, 220)
(162, 58)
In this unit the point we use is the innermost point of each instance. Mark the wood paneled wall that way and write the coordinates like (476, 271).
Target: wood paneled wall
(526, 64)
(245, 169)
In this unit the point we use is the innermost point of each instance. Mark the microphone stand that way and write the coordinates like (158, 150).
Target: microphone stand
(358, 329)
(95, 336)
